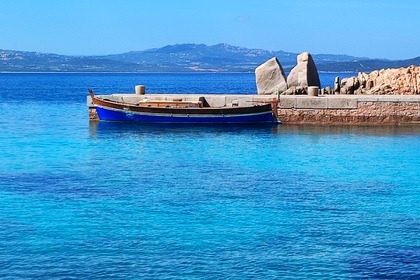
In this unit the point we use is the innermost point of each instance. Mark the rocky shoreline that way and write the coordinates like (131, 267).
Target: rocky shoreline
(401, 81)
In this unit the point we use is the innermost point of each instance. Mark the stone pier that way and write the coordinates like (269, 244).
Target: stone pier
(350, 109)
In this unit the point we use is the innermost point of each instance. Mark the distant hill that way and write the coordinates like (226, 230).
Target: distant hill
(184, 58)
(366, 65)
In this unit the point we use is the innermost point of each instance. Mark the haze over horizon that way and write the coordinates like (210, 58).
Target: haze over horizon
(375, 29)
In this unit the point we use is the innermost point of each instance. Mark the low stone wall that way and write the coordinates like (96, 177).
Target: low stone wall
(93, 115)
(349, 110)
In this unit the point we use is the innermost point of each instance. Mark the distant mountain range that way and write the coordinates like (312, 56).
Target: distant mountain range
(186, 58)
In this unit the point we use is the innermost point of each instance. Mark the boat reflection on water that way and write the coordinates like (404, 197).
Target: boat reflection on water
(133, 128)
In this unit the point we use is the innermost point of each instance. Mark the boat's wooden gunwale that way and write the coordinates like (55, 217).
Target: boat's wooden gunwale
(169, 110)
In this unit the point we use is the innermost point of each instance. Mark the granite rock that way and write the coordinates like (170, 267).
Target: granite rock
(401, 81)
(270, 77)
(336, 88)
(305, 73)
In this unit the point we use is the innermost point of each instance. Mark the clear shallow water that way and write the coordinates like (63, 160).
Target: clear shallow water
(110, 200)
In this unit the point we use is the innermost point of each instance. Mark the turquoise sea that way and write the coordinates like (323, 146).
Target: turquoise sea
(82, 200)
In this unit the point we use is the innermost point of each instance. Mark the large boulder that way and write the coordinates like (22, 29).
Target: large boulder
(349, 85)
(270, 77)
(304, 74)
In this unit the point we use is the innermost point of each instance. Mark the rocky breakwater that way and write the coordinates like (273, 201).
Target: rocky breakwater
(401, 81)
(388, 96)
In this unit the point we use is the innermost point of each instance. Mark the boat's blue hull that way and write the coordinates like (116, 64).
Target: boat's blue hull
(106, 114)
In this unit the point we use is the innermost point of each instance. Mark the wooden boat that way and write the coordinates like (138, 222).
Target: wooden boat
(179, 111)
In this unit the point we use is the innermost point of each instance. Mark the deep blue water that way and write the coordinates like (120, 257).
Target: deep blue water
(86, 200)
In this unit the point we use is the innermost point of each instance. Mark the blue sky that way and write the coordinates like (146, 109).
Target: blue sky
(367, 28)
